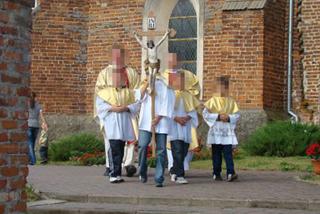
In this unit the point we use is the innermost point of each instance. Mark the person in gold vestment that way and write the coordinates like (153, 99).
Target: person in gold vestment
(116, 105)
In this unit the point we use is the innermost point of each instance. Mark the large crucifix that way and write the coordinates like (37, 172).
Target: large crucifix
(152, 63)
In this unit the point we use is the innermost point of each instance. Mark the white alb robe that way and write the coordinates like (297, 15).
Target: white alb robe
(164, 106)
(221, 132)
(179, 132)
(117, 126)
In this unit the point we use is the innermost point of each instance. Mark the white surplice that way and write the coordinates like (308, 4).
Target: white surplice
(164, 106)
(221, 132)
(179, 132)
(117, 126)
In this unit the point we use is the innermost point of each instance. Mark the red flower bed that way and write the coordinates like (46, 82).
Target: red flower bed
(313, 151)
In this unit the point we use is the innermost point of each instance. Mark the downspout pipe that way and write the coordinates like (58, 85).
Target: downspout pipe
(294, 116)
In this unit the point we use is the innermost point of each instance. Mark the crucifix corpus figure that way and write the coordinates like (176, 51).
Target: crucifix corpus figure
(152, 63)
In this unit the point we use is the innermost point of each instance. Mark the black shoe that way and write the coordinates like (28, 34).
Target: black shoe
(44, 162)
(217, 178)
(130, 170)
(113, 180)
(119, 179)
(143, 179)
(107, 172)
(159, 185)
(232, 177)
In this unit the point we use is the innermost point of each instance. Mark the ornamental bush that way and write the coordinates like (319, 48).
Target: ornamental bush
(75, 146)
(282, 139)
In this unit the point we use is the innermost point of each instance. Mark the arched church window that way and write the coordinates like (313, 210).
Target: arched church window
(184, 20)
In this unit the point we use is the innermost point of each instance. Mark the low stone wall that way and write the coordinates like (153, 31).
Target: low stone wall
(62, 125)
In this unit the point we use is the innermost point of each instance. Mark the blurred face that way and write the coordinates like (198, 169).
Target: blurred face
(221, 87)
(172, 61)
(118, 79)
(118, 58)
(32, 99)
(177, 81)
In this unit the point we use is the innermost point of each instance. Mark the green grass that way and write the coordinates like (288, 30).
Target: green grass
(63, 163)
(31, 195)
(310, 178)
(242, 162)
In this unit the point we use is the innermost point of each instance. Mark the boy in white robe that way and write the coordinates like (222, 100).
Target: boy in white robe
(221, 113)
(164, 106)
(185, 119)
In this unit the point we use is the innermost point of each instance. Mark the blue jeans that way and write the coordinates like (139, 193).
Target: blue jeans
(43, 151)
(179, 151)
(161, 154)
(217, 151)
(32, 137)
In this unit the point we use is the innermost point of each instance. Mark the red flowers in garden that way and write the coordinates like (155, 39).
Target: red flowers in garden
(313, 151)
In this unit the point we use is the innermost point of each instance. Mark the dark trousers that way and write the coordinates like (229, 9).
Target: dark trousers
(43, 151)
(179, 151)
(115, 155)
(32, 137)
(217, 151)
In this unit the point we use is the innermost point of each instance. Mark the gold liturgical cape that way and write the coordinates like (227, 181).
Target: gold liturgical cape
(222, 105)
(190, 96)
(113, 96)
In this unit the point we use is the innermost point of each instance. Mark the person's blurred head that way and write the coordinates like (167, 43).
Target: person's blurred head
(221, 86)
(32, 99)
(118, 57)
(172, 60)
(177, 80)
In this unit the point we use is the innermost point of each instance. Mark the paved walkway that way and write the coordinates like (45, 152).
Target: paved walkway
(253, 189)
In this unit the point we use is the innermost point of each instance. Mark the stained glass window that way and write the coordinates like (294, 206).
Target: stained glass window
(184, 20)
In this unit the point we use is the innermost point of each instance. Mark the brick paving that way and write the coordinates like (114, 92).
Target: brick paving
(84, 181)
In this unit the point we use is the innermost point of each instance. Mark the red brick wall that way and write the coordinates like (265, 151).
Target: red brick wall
(15, 26)
(274, 59)
(247, 45)
(309, 57)
(111, 22)
(59, 55)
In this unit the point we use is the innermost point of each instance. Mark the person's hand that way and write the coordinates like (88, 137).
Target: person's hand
(182, 120)
(197, 149)
(44, 126)
(119, 109)
(156, 121)
(224, 117)
(179, 120)
(235, 152)
(134, 33)
(168, 31)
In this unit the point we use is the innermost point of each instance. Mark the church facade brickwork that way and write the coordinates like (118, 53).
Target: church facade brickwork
(72, 40)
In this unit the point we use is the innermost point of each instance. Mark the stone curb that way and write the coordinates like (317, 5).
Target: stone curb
(192, 202)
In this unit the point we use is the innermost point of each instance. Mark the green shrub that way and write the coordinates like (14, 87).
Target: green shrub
(75, 145)
(94, 161)
(282, 139)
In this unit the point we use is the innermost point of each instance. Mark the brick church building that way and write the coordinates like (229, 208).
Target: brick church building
(245, 39)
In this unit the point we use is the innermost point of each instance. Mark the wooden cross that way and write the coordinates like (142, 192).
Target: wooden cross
(151, 32)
